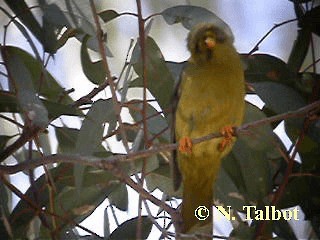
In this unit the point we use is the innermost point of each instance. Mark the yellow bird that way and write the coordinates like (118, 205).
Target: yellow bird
(210, 99)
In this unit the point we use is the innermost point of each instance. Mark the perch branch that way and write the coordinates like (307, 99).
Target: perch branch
(101, 163)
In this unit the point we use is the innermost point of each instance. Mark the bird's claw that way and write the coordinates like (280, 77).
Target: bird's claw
(228, 133)
(185, 145)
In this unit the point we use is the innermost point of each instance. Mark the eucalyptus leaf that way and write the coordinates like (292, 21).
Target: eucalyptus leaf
(94, 71)
(156, 122)
(159, 78)
(299, 50)
(189, 16)
(108, 15)
(311, 20)
(278, 97)
(161, 179)
(66, 139)
(23, 12)
(31, 105)
(226, 190)
(176, 69)
(3, 141)
(91, 133)
(73, 15)
(264, 67)
(119, 197)
(99, 184)
(127, 230)
(25, 33)
(283, 229)
(249, 160)
(9, 103)
(42, 80)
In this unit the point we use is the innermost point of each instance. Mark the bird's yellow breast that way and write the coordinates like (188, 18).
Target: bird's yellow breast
(212, 98)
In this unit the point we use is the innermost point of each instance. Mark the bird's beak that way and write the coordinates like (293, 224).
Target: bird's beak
(210, 42)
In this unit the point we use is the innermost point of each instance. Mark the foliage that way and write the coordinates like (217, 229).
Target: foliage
(259, 171)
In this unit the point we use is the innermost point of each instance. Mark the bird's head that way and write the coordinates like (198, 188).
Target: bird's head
(204, 40)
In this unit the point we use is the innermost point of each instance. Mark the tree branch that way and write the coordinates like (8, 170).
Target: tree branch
(110, 161)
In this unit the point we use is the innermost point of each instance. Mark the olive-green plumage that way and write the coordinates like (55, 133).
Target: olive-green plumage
(211, 97)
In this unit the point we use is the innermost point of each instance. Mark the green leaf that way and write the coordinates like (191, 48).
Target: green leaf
(311, 20)
(42, 80)
(175, 69)
(299, 50)
(94, 71)
(226, 189)
(119, 197)
(78, 206)
(161, 179)
(66, 139)
(8, 103)
(242, 231)
(283, 229)
(295, 193)
(149, 164)
(156, 123)
(263, 68)
(73, 15)
(97, 185)
(25, 33)
(3, 141)
(108, 15)
(31, 105)
(249, 159)
(279, 97)
(5, 202)
(306, 81)
(50, 33)
(91, 132)
(189, 16)
(21, 9)
(23, 155)
(160, 81)
(128, 229)
(56, 110)
(44, 143)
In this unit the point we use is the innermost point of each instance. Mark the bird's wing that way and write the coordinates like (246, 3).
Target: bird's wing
(175, 171)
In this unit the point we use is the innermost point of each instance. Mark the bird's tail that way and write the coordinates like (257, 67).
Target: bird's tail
(197, 194)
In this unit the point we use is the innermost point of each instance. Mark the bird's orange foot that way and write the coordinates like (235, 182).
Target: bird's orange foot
(227, 133)
(185, 145)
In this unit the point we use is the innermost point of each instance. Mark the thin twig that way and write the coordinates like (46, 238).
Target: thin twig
(87, 98)
(144, 109)
(11, 120)
(256, 47)
(116, 106)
